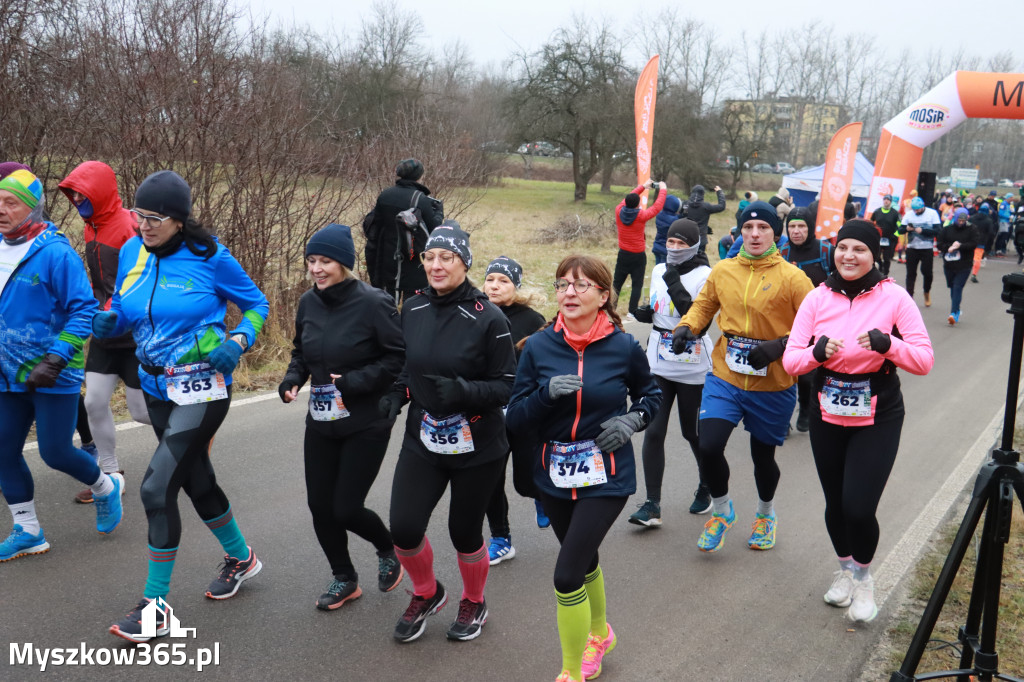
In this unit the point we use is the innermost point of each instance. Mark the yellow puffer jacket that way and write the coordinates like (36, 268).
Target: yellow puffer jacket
(758, 299)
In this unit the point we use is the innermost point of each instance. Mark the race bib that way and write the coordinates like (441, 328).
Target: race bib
(951, 257)
(576, 465)
(325, 403)
(736, 352)
(884, 241)
(846, 398)
(690, 355)
(193, 383)
(448, 436)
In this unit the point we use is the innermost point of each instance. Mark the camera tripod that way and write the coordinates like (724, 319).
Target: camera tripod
(997, 482)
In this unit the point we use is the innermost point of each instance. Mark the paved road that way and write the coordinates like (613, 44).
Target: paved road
(679, 614)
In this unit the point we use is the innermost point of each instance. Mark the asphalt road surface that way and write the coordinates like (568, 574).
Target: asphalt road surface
(679, 614)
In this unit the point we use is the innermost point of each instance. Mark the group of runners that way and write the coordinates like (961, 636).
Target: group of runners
(480, 376)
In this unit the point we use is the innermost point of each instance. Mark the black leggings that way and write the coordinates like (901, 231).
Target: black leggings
(181, 461)
(804, 386)
(632, 265)
(926, 259)
(497, 508)
(83, 422)
(714, 469)
(654, 437)
(580, 526)
(339, 474)
(853, 465)
(417, 488)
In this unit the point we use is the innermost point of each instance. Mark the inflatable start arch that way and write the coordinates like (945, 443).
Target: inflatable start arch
(961, 95)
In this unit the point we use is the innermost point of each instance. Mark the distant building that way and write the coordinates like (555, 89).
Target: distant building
(797, 131)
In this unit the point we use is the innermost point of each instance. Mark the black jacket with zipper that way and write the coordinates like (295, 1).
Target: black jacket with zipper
(353, 330)
(461, 336)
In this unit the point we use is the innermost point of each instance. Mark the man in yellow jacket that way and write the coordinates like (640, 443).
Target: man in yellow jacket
(756, 295)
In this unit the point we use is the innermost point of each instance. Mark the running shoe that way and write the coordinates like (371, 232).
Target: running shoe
(412, 623)
(714, 531)
(130, 627)
(974, 278)
(803, 420)
(19, 543)
(840, 593)
(470, 621)
(566, 676)
(862, 607)
(108, 507)
(338, 593)
(233, 572)
(594, 653)
(501, 549)
(389, 572)
(649, 514)
(542, 518)
(763, 535)
(85, 497)
(957, 315)
(951, 319)
(702, 503)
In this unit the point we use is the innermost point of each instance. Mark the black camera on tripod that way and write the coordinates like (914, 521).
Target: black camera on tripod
(1013, 291)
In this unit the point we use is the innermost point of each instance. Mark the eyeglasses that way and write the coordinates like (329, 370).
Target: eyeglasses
(152, 221)
(446, 258)
(580, 286)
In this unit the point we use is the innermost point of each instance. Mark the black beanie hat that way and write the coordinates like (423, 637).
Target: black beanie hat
(761, 210)
(335, 242)
(863, 231)
(508, 267)
(632, 200)
(165, 192)
(409, 169)
(449, 236)
(684, 229)
(800, 213)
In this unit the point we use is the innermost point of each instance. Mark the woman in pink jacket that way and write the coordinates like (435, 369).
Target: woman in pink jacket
(855, 330)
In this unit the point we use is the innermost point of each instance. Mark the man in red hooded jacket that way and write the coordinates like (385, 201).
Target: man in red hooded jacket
(92, 188)
(630, 221)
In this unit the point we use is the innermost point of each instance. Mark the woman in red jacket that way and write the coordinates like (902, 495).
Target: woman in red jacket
(857, 409)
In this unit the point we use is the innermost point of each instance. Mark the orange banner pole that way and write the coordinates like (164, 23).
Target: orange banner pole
(835, 186)
(643, 109)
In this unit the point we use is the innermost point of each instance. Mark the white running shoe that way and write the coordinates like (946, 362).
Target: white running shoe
(863, 609)
(841, 592)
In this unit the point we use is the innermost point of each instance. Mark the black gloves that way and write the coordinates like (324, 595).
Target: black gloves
(644, 313)
(767, 352)
(819, 349)
(880, 341)
(680, 337)
(449, 392)
(285, 386)
(391, 404)
(618, 430)
(671, 275)
(44, 375)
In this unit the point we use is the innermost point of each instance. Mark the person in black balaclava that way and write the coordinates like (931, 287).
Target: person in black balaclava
(698, 210)
(814, 257)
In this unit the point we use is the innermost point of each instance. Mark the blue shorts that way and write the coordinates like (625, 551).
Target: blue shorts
(765, 414)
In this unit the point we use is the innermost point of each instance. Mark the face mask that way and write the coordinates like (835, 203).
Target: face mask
(85, 208)
(677, 256)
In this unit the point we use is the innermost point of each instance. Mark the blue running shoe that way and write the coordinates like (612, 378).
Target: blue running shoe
(763, 532)
(542, 518)
(500, 550)
(19, 543)
(714, 531)
(108, 507)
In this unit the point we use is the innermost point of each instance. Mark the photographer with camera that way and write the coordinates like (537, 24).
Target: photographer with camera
(858, 329)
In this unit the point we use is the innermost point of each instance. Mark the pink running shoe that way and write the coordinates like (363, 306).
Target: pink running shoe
(594, 653)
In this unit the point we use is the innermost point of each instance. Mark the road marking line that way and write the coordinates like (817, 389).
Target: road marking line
(908, 549)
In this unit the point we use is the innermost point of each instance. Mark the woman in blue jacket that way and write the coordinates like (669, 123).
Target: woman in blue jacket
(570, 391)
(45, 307)
(173, 285)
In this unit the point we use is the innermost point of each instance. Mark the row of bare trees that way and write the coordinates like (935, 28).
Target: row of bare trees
(277, 132)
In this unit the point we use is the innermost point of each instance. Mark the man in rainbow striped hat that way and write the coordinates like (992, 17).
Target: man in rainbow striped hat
(46, 308)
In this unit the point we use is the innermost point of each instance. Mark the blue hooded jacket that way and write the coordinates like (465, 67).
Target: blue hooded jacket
(46, 307)
(668, 215)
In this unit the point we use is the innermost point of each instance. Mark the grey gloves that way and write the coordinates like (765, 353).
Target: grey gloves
(563, 385)
(618, 430)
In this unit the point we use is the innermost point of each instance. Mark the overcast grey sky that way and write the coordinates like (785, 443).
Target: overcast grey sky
(492, 30)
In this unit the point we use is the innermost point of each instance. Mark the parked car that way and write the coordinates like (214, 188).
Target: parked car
(783, 168)
(987, 182)
(539, 148)
(762, 168)
(944, 180)
(1005, 182)
(1019, 183)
